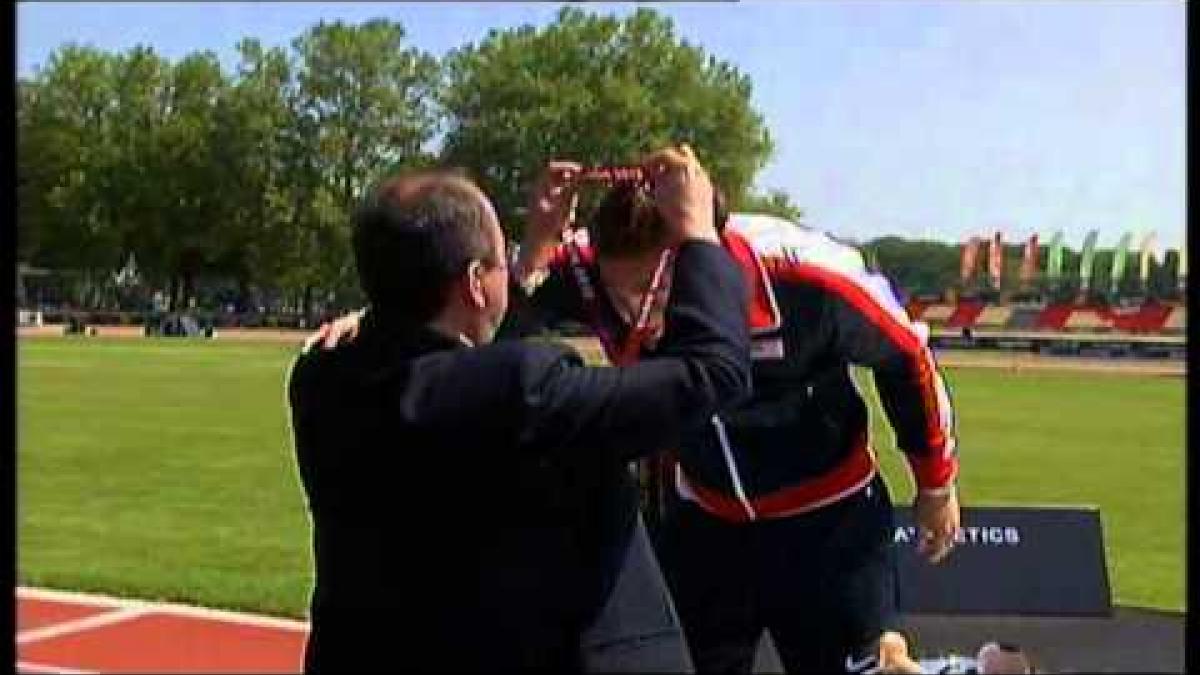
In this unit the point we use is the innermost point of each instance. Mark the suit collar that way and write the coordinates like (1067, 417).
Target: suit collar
(414, 336)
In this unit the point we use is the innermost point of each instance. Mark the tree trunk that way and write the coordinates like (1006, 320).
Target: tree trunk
(243, 294)
(189, 287)
(173, 294)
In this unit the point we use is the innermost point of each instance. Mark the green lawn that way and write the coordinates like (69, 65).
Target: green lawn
(163, 469)
(1075, 439)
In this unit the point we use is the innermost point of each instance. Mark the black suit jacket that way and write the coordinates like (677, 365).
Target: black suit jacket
(470, 505)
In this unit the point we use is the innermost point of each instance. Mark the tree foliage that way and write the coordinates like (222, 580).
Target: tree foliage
(918, 266)
(597, 89)
(363, 105)
(65, 147)
(249, 176)
(774, 202)
(245, 176)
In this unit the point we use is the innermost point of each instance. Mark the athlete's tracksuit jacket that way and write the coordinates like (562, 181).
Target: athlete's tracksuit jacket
(802, 441)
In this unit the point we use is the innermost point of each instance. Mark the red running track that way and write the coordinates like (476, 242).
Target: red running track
(65, 632)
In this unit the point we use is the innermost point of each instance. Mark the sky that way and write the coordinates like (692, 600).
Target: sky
(935, 120)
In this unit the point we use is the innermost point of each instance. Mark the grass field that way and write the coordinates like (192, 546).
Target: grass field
(163, 469)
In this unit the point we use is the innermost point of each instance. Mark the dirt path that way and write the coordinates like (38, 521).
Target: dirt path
(951, 358)
(1025, 361)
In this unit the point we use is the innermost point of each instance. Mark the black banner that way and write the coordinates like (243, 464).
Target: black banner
(1031, 561)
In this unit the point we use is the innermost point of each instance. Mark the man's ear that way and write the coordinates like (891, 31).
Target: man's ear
(473, 285)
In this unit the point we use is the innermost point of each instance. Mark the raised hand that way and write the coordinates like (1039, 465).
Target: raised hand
(682, 192)
(551, 212)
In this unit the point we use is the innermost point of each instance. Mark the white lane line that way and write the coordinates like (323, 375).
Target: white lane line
(175, 609)
(31, 667)
(79, 625)
(231, 617)
(52, 595)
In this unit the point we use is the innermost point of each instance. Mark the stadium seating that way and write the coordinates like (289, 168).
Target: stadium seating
(965, 314)
(1148, 318)
(994, 316)
(1089, 319)
(1177, 321)
(1053, 317)
(1154, 317)
(1133, 316)
(1023, 318)
(936, 315)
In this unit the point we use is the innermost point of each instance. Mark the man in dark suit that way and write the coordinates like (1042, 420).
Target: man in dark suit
(471, 501)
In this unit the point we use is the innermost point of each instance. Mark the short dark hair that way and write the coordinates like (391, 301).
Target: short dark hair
(413, 235)
(627, 223)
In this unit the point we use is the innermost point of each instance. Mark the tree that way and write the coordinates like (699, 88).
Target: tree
(32, 175)
(186, 176)
(775, 202)
(596, 89)
(365, 103)
(920, 267)
(64, 137)
(255, 122)
(142, 105)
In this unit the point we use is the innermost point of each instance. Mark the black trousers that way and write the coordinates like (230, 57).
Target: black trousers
(823, 584)
(638, 630)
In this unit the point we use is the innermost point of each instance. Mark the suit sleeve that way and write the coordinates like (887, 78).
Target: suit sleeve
(871, 329)
(703, 364)
(553, 301)
(557, 406)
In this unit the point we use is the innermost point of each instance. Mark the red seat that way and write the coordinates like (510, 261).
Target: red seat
(965, 314)
(1054, 317)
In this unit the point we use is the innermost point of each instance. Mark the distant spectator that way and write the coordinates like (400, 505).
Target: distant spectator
(190, 327)
(74, 324)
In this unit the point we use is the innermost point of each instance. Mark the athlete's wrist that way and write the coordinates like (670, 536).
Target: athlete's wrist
(529, 267)
(943, 491)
